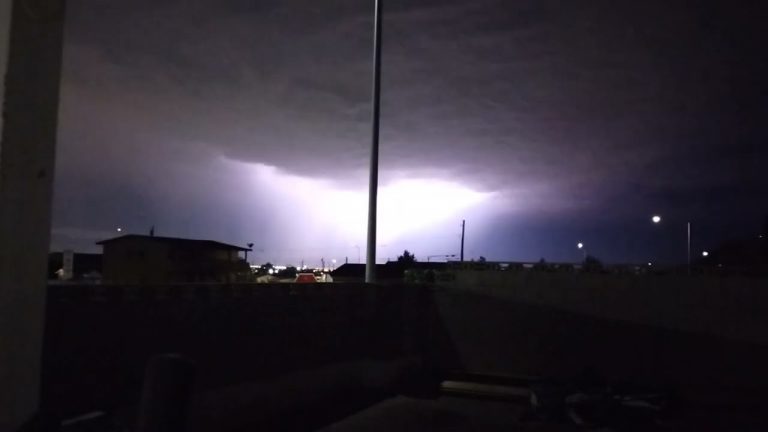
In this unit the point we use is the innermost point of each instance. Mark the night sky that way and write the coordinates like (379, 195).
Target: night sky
(542, 123)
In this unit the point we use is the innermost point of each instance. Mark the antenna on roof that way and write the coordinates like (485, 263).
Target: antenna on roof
(152, 231)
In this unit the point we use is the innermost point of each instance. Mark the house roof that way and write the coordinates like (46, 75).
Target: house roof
(176, 240)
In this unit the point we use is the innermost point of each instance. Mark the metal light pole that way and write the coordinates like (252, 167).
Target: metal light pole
(657, 219)
(689, 248)
(373, 181)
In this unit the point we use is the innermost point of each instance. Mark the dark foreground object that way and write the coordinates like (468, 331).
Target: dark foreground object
(168, 387)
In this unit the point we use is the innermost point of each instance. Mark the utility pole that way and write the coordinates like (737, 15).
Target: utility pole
(689, 248)
(250, 246)
(463, 223)
(373, 182)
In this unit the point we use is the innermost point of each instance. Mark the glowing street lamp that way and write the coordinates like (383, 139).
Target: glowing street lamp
(656, 219)
(580, 245)
(119, 229)
(705, 254)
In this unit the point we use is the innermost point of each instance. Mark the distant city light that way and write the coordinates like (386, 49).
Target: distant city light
(650, 264)
(705, 253)
(271, 271)
(656, 219)
(119, 229)
(580, 245)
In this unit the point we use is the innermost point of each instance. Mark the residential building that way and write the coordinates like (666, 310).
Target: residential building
(141, 259)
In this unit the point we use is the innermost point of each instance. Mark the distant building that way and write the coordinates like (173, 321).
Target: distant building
(141, 259)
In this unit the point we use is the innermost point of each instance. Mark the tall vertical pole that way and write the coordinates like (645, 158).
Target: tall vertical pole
(689, 248)
(462, 239)
(373, 182)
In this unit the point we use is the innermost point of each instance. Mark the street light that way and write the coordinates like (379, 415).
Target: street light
(705, 254)
(657, 219)
(580, 245)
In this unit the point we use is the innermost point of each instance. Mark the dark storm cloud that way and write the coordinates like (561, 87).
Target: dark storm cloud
(577, 103)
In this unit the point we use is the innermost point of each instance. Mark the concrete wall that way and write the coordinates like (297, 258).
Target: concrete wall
(99, 338)
(496, 335)
(731, 307)
(702, 335)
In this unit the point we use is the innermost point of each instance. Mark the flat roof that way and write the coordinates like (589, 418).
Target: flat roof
(210, 243)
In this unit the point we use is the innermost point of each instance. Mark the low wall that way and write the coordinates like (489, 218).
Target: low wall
(563, 327)
(731, 307)
(99, 338)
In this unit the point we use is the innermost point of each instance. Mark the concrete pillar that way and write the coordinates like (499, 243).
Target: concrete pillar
(31, 50)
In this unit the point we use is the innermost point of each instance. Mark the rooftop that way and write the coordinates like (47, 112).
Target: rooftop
(179, 241)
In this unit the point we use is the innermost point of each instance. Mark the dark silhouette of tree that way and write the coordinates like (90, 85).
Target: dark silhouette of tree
(265, 268)
(592, 265)
(482, 258)
(406, 258)
(286, 273)
(541, 265)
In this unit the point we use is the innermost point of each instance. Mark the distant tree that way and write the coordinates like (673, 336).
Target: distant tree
(541, 265)
(482, 258)
(265, 268)
(592, 265)
(406, 258)
(289, 272)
